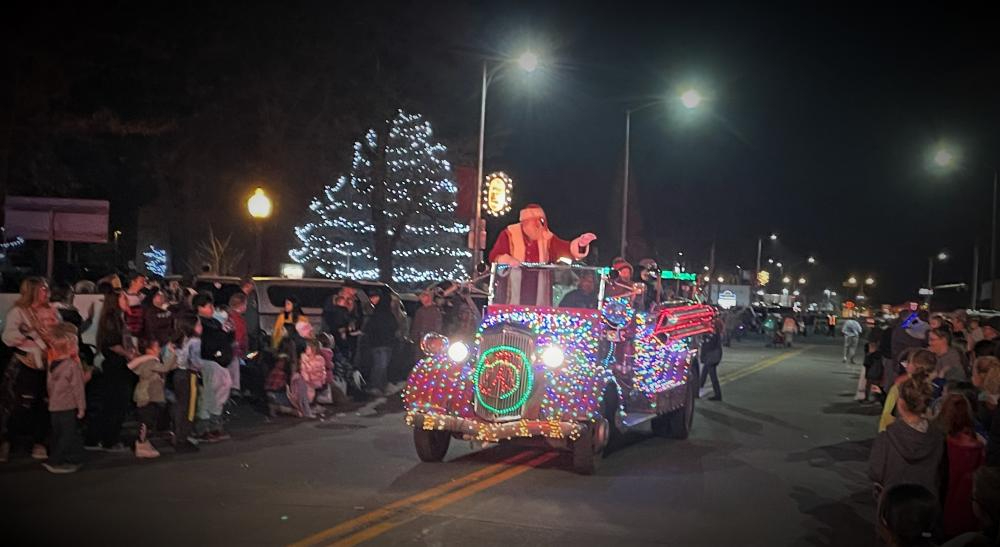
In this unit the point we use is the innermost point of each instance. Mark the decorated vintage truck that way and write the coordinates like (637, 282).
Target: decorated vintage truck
(566, 355)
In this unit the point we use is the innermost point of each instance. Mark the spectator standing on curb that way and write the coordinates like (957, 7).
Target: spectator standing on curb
(67, 402)
(852, 334)
(117, 346)
(216, 354)
(26, 330)
(380, 338)
(428, 317)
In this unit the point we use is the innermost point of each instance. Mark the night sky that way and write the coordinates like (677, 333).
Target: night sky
(819, 121)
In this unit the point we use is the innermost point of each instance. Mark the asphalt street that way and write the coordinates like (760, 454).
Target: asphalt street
(780, 461)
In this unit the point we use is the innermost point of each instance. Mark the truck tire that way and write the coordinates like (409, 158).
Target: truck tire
(682, 418)
(431, 445)
(611, 415)
(586, 456)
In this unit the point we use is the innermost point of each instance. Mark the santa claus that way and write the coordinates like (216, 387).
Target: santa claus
(530, 241)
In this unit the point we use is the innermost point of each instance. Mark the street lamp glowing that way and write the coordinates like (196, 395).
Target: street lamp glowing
(944, 157)
(811, 260)
(869, 280)
(774, 237)
(691, 99)
(778, 264)
(720, 279)
(528, 61)
(770, 261)
(259, 205)
(786, 279)
(852, 280)
(942, 256)
(802, 281)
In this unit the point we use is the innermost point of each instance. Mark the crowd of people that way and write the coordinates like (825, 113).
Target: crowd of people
(935, 463)
(175, 359)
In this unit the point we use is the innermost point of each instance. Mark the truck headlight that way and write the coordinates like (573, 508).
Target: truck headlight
(433, 343)
(553, 357)
(458, 352)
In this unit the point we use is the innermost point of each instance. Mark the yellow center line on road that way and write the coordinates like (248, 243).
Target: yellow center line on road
(391, 509)
(406, 516)
(759, 366)
(398, 513)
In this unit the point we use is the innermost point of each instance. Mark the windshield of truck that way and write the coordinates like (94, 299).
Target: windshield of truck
(547, 286)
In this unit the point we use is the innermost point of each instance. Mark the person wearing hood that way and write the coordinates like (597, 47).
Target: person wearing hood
(148, 395)
(909, 451)
(379, 334)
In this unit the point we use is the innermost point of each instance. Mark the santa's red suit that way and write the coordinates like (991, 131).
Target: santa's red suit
(513, 247)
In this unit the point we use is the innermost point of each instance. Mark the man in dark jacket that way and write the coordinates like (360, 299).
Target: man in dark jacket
(380, 337)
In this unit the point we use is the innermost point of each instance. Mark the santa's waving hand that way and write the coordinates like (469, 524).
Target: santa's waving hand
(531, 241)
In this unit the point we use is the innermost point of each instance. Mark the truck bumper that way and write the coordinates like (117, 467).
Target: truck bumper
(479, 430)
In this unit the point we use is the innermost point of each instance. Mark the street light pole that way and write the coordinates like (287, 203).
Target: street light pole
(930, 279)
(628, 136)
(760, 244)
(476, 254)
(993, 240)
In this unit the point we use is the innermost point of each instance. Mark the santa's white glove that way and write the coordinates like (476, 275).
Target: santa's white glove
(582, 242)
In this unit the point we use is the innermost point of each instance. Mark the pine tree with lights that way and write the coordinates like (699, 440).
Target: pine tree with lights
(393, 216)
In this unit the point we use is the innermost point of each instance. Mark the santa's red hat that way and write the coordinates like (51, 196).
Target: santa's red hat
(530, 211)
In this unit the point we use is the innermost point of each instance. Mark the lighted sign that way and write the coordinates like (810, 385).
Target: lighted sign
(497, 193)
(727, 299)
(292, 271)
(763, 277)
(680, 276)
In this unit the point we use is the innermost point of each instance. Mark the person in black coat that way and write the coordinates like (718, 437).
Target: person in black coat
(379, 334)
(711, 356)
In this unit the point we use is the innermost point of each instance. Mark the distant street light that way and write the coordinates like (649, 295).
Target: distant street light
(947, 159)
(778, 264)
(852, 280)
(802, 281)
(259, 206)
(774, 237)
(944, 157)
(770, 261)
(528, 62)
(721, 279)
(705, 268)
(940, 257)
(811, 260)
(691, 99)
(869, 280)
(786, 280)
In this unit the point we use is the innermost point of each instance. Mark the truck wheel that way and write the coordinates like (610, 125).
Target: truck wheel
(586, 456)
(431, 445)
(611, 415)
(677, 424)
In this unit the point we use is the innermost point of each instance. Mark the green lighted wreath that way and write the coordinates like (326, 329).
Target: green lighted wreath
(484, 365)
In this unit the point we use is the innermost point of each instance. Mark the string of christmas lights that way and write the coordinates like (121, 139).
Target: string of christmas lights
(340, 240)
(156, 261)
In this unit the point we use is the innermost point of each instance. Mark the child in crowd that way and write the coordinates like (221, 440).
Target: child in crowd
(966, 452)
(67, 402)
(287, 391)
(909, 450)
(915, 361)
(149, 393)
(873, 372)
(185, 348)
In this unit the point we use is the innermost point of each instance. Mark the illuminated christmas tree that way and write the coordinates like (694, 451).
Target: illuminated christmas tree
(393, 216)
